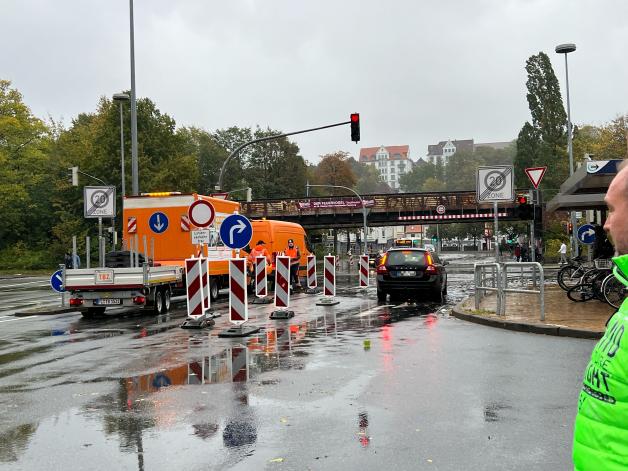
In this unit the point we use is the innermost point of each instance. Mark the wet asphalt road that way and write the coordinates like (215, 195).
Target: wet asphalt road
(356, 386)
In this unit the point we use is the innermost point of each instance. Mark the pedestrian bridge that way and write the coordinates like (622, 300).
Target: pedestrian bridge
(395, 209)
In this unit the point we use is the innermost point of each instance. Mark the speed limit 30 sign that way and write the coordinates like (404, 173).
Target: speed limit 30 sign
(495, 184)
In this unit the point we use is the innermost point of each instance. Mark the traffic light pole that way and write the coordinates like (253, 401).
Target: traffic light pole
(268, 138)
(495, 232)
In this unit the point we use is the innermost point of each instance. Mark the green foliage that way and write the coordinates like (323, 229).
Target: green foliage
(368, 178)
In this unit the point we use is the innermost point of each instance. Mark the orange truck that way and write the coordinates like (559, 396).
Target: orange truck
(157, 228)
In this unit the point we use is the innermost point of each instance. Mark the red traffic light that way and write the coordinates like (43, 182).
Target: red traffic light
(355, 127)
(355, 117)
(570, 228)
(521, 199)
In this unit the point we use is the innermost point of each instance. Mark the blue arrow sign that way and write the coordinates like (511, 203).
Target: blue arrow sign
(56, 281)
(586, 234)
(236, 231)
(158, 222)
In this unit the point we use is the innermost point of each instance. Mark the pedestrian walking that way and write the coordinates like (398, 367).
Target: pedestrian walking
(517, 253)
(294, 253)
(563, 253)
(76, 261)
(601, 428)
(67, 260)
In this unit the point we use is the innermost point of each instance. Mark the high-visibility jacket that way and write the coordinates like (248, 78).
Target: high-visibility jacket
(601, 428)
(294, 254)
(260, 251)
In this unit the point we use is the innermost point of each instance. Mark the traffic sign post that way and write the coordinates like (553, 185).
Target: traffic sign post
(201, 213)
(311, 275)
(282, 289)
(236, 231)
(364, 271)
(495, 184)
(586, 234)
(238, 301)
(56, 281)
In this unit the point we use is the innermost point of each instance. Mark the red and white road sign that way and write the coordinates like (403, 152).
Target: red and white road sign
(535, 174)
(440, 209)
(282, 282)
(311, 271)
(185, 223)
(238, 306)
(329, 282)
(201, 213)
(194, 287)
(364, 271)
(239, 364)
(261, 288)
(131, 225)
(205, 277)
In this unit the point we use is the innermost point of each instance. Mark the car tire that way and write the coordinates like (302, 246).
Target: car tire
(381, 295)
(158, 303)
(437, 294)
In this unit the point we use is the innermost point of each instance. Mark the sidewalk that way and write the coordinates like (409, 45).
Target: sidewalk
(562, 316)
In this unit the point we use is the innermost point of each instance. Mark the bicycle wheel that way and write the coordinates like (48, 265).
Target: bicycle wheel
(581, 293)
(569, 276)
(614, 291)
(598, 284)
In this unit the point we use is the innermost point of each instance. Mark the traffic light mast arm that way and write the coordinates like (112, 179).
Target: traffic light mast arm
(269, 138)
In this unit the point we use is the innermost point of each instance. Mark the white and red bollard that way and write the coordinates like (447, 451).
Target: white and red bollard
(197, 293)
(329, 282)
(261, 284)
(312, 286)
(239, 363)
(364, 271)
(282, 289)
(238, 301)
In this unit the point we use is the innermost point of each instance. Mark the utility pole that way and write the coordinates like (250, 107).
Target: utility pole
(134, 165)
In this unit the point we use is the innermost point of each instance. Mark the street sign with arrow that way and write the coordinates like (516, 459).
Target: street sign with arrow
(158, 222)
(236, 231)
(586, 234)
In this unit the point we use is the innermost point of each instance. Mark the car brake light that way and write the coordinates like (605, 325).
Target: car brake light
(430, 269)
(76, 301)
(139, 300)
(382, 269)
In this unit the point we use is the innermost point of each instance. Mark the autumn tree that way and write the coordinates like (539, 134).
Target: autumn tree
(335, 169)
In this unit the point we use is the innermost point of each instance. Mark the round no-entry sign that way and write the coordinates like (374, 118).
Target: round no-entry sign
(440, 209)
(201, 213)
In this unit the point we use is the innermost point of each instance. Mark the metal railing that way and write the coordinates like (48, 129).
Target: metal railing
(487, 278)
(524, 271)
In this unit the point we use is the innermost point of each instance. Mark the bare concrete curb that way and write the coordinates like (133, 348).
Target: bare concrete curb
(459, 313)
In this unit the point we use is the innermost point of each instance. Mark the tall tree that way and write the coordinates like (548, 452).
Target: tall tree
(528, 151)
(334, 169)
(368, 178)
(421, 172)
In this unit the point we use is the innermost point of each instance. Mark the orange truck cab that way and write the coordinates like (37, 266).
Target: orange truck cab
(160, 222)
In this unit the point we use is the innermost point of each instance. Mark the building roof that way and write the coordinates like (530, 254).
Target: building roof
(367, 154)
(462, 144)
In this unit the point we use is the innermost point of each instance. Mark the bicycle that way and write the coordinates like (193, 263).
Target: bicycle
(572, 274)
(614, 291)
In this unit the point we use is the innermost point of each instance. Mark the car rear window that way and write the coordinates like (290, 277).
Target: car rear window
(406, 257)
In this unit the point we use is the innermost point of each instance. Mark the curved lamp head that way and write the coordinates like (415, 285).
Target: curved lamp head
(121, 97)
(565, 48)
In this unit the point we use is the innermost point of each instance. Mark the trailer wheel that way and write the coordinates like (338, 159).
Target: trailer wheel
(167, 300)
(158, 305)
(213, 288)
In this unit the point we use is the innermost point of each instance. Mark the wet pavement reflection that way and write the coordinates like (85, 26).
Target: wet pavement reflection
(136, 392)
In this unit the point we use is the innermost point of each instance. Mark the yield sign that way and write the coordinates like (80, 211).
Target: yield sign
(535, 174)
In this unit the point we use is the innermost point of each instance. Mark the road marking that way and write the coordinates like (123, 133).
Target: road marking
(19, 319)
(24, 284)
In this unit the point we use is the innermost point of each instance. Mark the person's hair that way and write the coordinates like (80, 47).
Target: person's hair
(260, 242)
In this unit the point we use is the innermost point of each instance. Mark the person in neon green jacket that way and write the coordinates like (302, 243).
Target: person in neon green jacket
(601, 428)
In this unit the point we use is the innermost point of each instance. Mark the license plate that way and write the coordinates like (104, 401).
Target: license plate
(107, 302)
(407, 273)
(103, 277)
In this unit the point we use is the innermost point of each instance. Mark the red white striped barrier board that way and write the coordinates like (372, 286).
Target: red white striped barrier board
(239, 364)
(364, 271)
(238, 307)
(311, 271)
(131, 225)
(450, 216)
(194, 287)
(282, 282)
(261, 288)
(205, 276)
(185, 223)
(329, 283)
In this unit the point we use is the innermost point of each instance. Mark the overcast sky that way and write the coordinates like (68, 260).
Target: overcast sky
(417, 71)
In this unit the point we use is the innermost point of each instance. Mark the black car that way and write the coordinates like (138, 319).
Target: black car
(411, 272)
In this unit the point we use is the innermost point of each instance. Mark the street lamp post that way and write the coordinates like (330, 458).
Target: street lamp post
(566, 49)
(135, 186)
(122, 98)
(307, 189)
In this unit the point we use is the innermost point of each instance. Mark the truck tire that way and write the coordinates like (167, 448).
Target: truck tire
(158, 304)
(167, 300)
(213, 288)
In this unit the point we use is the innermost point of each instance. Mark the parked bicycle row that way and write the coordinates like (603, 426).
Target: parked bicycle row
(584, 281)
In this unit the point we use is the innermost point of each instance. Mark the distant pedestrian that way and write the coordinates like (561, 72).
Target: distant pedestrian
(294, 253)
(76, 261)
(67, 260)
(601, 428)
(517, 253)
(563, 253)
